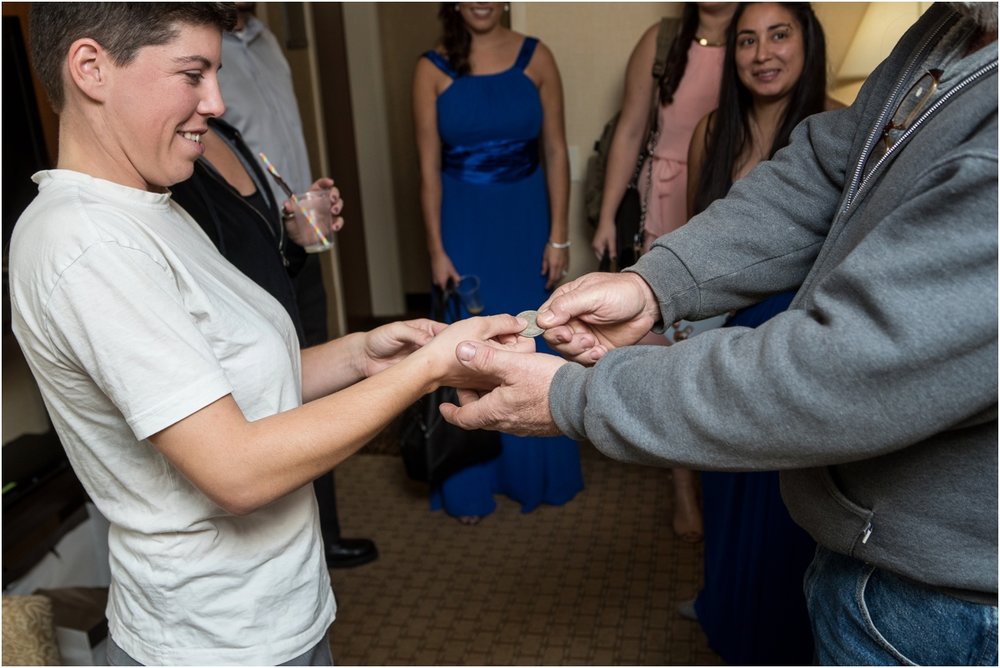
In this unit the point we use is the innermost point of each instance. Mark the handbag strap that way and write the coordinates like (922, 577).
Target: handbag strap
(665, 36)
(445, 303)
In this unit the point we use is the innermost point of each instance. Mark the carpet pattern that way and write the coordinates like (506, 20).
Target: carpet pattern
(594, 582)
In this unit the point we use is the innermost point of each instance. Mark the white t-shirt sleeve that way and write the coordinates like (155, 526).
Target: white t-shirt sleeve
(118, 315)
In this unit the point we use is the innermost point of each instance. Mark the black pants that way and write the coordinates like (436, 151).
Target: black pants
(326, 497)
(311, 299)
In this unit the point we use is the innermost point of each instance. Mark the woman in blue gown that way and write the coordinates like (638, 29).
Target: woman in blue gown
(752, 607)
(487, 106)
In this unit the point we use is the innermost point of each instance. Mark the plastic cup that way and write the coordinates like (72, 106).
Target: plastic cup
(313, 220)
(468, 292)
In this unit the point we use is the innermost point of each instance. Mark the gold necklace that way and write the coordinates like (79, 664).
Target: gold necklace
(704, 42)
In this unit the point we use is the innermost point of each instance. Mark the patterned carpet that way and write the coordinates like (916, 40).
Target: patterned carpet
(594, 582)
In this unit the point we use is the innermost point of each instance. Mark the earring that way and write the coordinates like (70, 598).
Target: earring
(456, 6)
(506, 7)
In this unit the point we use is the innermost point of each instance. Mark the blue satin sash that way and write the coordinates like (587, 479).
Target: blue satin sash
(497, 161)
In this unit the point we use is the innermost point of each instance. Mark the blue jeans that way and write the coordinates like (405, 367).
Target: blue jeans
(863, 615)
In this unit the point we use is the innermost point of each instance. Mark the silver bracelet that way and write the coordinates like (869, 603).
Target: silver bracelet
(565, 244)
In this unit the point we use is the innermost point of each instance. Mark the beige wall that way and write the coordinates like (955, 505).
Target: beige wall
(591, 41)
(407, 29)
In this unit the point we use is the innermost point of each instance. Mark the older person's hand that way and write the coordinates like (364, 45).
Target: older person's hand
(498, 331)
(519, 400)
(598, 312)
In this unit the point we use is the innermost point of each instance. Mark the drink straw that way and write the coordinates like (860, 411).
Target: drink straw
(295, 200)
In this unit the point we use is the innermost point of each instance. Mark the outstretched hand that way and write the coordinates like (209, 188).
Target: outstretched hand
(388, 344)
(518, 402)
(596, 313)
(497, 331)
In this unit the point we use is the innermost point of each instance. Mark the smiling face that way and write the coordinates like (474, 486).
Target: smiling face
(770, 51)
(158, 107)
(481, 17)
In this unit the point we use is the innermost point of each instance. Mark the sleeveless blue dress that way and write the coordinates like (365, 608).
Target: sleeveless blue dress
(752, 607)
(495, 224)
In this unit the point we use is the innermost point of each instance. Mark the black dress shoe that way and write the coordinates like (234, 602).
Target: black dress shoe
(350, 552)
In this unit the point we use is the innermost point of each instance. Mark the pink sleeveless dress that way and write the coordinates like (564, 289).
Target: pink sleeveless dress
(698, 94)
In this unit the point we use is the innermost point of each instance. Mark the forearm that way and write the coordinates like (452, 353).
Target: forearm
(557, 179)
(243, 465)
(332, 366)
(763, 237)
(430, 206)
(622, 159)
(851, 371)
(428, 140)
(630, 131)
(793, 393)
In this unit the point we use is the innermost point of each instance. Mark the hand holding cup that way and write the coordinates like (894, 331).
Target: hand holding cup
(312, 217)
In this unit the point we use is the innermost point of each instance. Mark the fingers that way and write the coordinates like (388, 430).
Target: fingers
(322, 183)
(480, 358)
(600, 246)
(502, 329)
(433, 326)
(577, 337)
(580, 299)
(522, 344)
(500, 325)
(418, 336)
(512, 394)
(582, 348)
(604, 242)
(441, 280)
(469, 416)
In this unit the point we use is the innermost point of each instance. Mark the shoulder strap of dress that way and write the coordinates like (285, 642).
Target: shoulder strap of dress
(527, 50)
(441, 62)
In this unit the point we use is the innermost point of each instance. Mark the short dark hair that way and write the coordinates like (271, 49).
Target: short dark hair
(122, 28)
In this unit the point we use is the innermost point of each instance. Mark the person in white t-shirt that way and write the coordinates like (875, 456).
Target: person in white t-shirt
(176, 384)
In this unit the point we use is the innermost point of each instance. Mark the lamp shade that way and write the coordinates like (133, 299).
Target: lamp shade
(881, 27)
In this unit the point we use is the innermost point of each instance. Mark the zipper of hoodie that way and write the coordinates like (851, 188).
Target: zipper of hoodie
(866, 532)
(877, 129)
(954, 90)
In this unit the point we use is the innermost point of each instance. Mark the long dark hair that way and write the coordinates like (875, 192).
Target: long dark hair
(677, 57)
(456, 38)
(728, 135)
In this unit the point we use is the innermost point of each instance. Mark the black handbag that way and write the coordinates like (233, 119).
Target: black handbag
(630, 218)
(629, 226)
(629, 229)
(432, 448)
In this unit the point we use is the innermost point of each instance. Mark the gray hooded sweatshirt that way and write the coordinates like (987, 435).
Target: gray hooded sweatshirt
(875, 394)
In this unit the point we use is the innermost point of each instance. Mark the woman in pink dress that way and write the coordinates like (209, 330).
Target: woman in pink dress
(688, 90)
